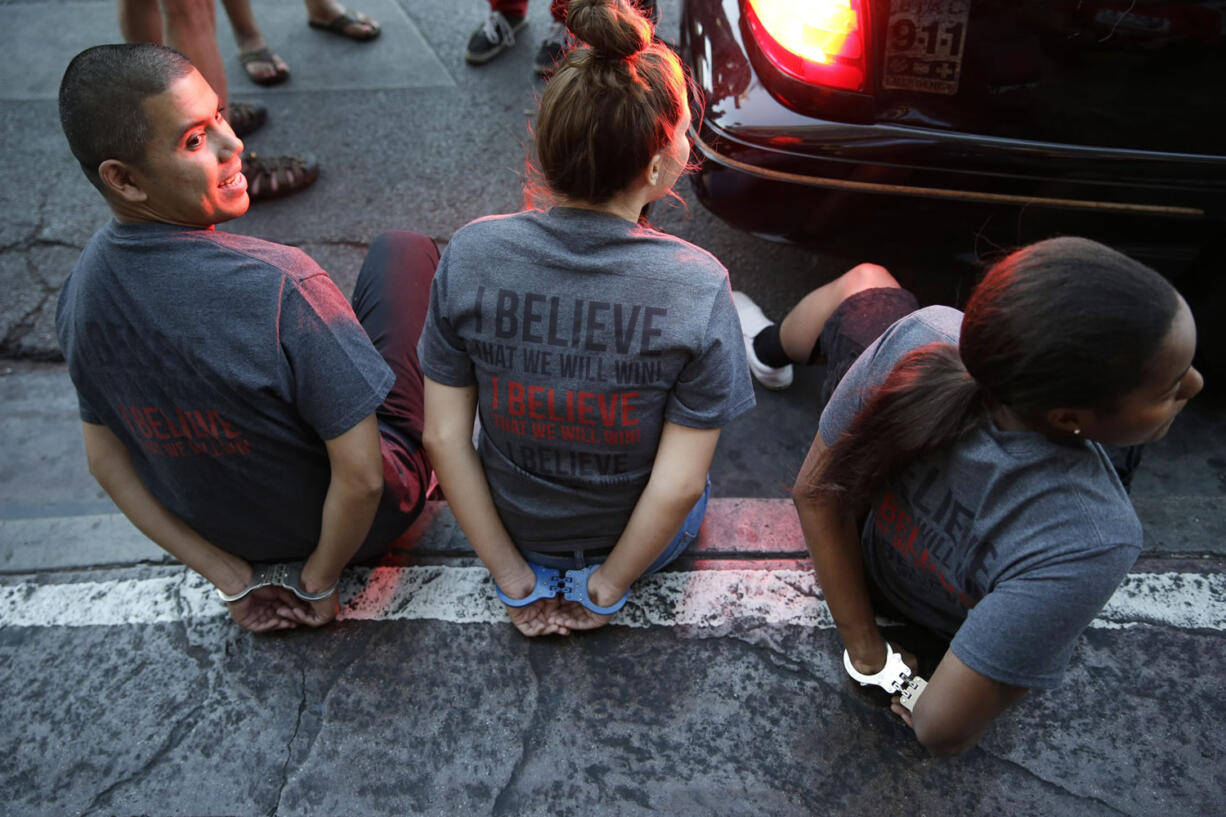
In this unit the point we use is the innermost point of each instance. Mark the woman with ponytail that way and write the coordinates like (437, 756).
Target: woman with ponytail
(959, 480)
(602, 357)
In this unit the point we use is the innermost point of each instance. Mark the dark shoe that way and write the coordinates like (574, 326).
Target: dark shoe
(343, 23)
(257, 55)
(495, 35)
(558, 41)
(245, 118)
(271, 177)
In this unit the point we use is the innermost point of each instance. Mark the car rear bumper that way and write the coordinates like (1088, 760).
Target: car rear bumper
(923, 182)
(747, 130)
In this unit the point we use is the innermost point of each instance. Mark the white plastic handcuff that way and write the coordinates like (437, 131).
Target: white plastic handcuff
(895, 677)
(284, 574)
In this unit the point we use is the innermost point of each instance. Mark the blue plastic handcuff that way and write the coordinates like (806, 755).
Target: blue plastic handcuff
(574, 588)
(572, 585)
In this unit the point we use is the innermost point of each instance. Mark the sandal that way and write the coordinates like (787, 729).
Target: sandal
(340, 25)
(271, 177)
(245, 118)
(264, 54)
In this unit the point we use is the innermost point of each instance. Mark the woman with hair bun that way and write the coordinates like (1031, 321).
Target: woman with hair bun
(603, 357)
(958, 479)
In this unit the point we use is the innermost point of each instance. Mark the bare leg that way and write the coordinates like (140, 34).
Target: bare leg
(799, 331)
(325, 11)
(140, 21)
(190, 26)
(242, 20)
(248, 37)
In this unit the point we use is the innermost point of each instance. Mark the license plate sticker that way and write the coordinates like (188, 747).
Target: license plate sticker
(925, 42)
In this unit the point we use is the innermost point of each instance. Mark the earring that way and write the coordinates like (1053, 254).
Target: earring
(1077, 432)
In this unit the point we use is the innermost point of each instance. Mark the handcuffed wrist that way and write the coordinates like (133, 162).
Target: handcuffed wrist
(606, 592)
(518, 585)
(895, 677)
(867, 650)
(325, 587)
(283, 574)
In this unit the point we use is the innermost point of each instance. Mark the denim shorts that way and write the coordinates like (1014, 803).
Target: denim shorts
(583, 558)
(855, 324)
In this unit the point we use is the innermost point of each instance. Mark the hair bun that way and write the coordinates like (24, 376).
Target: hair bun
(611, 28)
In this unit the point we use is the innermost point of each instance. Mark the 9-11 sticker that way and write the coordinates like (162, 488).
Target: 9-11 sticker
(924, 45)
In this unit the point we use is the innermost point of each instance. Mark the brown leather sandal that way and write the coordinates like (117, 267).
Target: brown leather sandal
(271, 177)
(245, 118)
(340, 24)
(280, 71)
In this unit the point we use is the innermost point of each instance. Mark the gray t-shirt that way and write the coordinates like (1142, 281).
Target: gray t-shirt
(583, 333)
(223, 363)
(1008, 541)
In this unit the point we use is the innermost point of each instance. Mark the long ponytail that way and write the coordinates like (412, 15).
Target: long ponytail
(927, 401)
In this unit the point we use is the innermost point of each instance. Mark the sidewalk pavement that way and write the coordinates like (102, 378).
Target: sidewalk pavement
(718, 691)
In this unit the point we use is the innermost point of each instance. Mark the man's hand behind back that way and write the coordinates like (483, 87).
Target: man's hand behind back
(310, 613)
(264, 610)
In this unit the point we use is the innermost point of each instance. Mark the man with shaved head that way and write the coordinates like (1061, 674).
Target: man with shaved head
(233, 405)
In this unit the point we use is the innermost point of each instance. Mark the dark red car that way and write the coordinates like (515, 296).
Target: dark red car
(977, 125)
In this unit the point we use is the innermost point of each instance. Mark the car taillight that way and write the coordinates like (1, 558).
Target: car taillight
(816, 41)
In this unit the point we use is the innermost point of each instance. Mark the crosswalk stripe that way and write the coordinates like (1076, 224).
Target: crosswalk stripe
(464, 595)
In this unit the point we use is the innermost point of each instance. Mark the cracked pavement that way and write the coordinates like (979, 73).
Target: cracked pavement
(186, 714)
(624, 722)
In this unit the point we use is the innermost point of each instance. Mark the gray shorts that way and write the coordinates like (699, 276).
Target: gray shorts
(855, 324)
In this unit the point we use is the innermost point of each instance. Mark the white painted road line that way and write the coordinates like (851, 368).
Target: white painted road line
(464, 595)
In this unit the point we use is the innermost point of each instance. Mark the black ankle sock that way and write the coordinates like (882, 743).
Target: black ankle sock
(769, 349)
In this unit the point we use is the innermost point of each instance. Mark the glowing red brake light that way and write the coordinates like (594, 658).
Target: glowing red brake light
(816, 41)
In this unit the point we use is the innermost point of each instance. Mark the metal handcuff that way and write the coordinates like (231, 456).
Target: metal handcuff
(895, 677)
(282, 574)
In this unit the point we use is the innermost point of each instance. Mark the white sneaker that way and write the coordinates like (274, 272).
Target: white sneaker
(754, 321)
